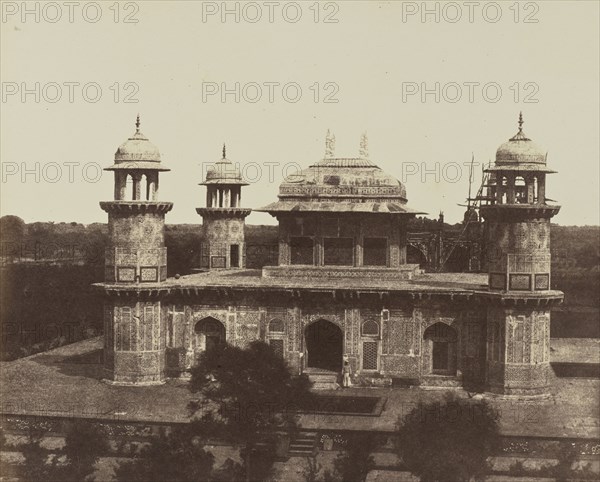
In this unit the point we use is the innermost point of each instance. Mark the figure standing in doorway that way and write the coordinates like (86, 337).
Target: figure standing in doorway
(346, 372)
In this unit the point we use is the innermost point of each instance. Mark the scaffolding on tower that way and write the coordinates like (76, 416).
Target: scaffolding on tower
(473, 204)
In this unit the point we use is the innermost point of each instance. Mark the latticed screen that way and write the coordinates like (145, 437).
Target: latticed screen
(204, 256)
(217, 261)
(497, 281)
(338, 251)
(542, 282)
(301, 250)
(520, 282)
(277, 346)
(370, 355)
(374, 251)
(149, 274)
(126, 274)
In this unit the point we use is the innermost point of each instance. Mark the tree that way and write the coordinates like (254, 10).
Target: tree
(311, 469)
(176, 456)
(36, 465)
(12, 228)
(85, 442)
(356, 461)
(563, 470)
(249, 395)
(450, 440)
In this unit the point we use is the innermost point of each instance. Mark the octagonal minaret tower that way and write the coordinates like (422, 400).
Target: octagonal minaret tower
(223, 218)
(136, 260)
(518, 225)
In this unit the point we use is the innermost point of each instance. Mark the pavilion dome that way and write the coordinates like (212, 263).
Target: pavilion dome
(520, 150)
(333, 178)
(342, 184)
(137, 153)
(224, 172)
(137, 148)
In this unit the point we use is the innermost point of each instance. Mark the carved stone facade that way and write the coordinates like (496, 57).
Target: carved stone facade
(223, 245)
(518, 350)
(342, 289)
(134, 342)
(383, 339)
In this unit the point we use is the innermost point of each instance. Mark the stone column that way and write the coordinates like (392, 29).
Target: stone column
(510, 194)
(499, 188)
(529, 184)
(152, 179)
(358, 249)
(137, 186)
(402, 240)
(318, 250)
(120, 185)
(541, 189)
(284, 242)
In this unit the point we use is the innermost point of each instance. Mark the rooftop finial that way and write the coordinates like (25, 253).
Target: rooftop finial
(329, 145)
(521, 121)
(137, 124)
(224, 151)
(520, 136)
(364, 146)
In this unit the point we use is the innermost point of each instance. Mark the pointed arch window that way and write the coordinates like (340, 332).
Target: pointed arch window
(370, 328)
(276, 326)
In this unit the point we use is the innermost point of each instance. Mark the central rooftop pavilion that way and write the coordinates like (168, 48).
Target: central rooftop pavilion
(344, 216)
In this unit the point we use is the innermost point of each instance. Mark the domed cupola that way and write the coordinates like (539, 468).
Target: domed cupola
(224, 172)
(521, 150)
(137, 159)
(137, 152)
(342, 184)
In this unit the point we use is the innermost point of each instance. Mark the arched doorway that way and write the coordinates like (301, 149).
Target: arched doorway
(209, 333)
(440, 349)
(324, 346)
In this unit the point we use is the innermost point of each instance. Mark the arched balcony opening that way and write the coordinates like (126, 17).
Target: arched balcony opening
(151, 185)
(503, 190)
(520, 190)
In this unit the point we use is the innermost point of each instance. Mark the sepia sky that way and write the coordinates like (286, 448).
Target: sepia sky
(431, 89)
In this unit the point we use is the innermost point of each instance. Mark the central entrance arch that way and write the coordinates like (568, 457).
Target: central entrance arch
(440, 349)
(324, 346)
(209, 333)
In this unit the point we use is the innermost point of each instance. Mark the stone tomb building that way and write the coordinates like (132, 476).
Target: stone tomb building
(342, 288)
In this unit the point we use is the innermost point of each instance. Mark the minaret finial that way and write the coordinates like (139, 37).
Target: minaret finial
(224, 151)
(521, 121)
(329, 145)
(364, 146)
(137, 124)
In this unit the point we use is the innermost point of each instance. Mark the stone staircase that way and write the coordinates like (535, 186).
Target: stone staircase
(323, 380)
(303, 445)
